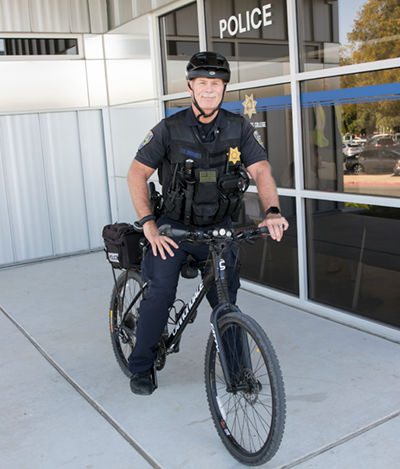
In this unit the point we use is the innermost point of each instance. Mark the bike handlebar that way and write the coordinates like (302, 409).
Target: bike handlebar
(216, 233)
(207, 236)
(166, 230)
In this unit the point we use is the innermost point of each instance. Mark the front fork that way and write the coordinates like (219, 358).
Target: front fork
(219, 345)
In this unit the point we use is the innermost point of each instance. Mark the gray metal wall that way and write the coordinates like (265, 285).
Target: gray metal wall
(64, 153)
(53, 16)
(53, 184)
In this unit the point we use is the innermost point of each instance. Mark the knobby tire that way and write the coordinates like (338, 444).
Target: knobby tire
(123, 339)
(249, 421)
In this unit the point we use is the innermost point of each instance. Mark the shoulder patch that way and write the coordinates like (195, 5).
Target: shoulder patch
(146, 140)
(257, 136)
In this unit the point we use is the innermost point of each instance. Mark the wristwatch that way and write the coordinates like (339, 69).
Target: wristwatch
(272, 210)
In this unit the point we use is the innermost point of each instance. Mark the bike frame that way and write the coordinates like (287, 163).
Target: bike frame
(188, 310)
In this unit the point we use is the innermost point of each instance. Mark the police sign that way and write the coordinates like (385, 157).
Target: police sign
(254, 20)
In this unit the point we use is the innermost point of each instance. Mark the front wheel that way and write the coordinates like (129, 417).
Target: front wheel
(124, 315)
(358, 168)
(250, 417)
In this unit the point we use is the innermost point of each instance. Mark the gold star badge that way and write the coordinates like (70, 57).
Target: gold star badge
(234, 155)
(249, 105)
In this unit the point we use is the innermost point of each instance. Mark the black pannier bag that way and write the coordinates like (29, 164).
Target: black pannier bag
(122, 245)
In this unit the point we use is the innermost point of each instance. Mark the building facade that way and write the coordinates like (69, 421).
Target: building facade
(82, 82)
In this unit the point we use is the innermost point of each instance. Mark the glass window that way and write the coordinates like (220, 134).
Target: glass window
(269, 110)
(268, 262)
(351, 133)
(342, 32)
(251, 34)
(354, 258)
(179, 41)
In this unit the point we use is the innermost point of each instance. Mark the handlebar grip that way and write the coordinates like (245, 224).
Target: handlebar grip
(263, 229)
(166, 230)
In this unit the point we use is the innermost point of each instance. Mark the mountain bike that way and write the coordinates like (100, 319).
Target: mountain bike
(243, 379)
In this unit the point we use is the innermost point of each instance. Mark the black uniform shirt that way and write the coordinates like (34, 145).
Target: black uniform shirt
(155, 146)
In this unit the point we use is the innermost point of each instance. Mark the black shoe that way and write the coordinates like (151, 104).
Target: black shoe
(142, 383)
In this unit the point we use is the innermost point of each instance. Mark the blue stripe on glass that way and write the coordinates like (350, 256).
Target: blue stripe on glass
(274, 103)
(362, 94)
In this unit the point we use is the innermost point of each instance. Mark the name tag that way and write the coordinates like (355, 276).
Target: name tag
(207, 176)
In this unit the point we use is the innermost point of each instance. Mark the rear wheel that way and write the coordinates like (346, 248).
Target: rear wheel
(122, 323)
(250, 418)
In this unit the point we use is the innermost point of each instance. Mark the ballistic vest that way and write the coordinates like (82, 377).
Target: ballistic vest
(214, 188)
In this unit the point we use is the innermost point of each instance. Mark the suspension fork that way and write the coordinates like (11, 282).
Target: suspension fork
(222, 289)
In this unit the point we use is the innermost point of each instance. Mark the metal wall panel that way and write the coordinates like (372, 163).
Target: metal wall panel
(66, 192)
(129, 126)
(26, 187)
(79, 16)
(126, 211)
(54, 196)
(97, 86)
(14, 16)
(125, 84)
(95, 69)
(94, 174)
(93, 44)
(51, 85)
(130, 41)
(130, 76)
(50, 16)
(6, 246)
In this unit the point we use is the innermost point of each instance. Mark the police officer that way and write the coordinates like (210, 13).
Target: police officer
(203, 155)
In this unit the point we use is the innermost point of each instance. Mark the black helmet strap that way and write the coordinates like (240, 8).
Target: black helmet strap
(202, 113)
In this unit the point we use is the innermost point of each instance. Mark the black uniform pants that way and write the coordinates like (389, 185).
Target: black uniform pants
(162, 277)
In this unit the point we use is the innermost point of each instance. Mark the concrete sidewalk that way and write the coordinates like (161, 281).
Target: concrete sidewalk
(75, 409)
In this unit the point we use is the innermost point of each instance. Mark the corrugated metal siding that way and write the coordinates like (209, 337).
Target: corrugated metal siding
(53, 16)
(79, 15)
(94, 174)
(75, 16)
(50, 16)
(53, 184)
(119, 12)
(26, 187)
(6, 245)
(98, 16)
(66, 193)
(14, 16)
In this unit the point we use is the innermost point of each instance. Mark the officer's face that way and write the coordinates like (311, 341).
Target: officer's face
(208, 92)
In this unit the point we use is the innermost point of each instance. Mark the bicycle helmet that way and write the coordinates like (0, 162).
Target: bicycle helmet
(208, 65)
